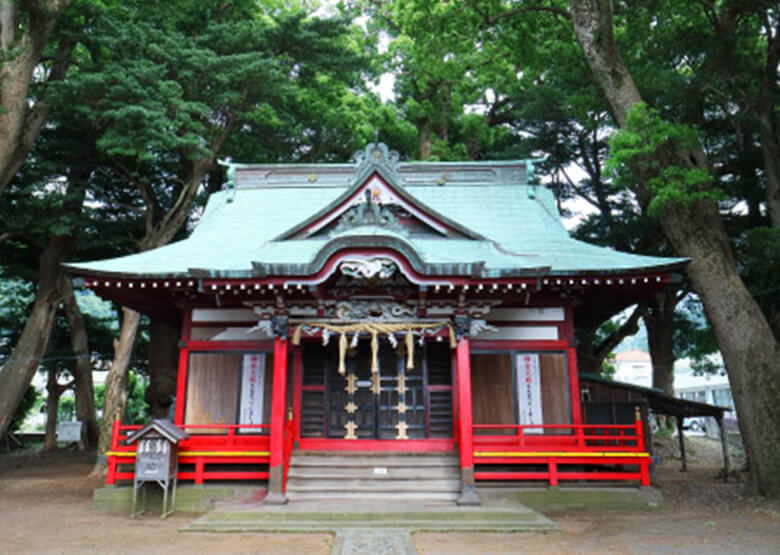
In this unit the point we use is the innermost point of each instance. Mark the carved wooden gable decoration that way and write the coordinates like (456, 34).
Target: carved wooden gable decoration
(377, 198)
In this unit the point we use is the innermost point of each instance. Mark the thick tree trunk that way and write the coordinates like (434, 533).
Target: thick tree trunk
(163, 362)
(591, 355)
(18, 371)
(21, 119)
(116, 381)
(7, 24)
(750, 349)
(659, 321)
(54, 392)
(82, 371)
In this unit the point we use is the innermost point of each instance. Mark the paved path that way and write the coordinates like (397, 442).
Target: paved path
(388, 541)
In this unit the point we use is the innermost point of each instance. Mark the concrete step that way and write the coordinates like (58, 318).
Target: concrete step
(376, 476)
(359, 513)
(384, 496)
(318, 526)
(372, 485)
(361, 460)
(445, 512)
(373, 473)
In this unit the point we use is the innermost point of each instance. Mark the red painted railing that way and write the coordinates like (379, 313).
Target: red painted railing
(584, 451)
(232, 444)
(571, 437)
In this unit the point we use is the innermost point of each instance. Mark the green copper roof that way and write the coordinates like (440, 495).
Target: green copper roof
(507, 227)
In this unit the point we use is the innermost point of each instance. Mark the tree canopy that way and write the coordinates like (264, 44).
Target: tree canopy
(661, 116)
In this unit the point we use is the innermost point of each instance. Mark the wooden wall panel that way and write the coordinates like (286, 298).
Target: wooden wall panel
(268, 387)
(204, 333)
(556, 401)
(492, 395)
(212, 389)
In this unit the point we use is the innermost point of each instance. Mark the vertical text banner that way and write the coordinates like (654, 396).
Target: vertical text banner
(252, 386)
(529, 391)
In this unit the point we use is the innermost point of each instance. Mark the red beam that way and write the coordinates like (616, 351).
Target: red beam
(254, 346)
(379, 445)
(518, 345)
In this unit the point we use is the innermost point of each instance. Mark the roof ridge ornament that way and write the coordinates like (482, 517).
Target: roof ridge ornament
(377, 155)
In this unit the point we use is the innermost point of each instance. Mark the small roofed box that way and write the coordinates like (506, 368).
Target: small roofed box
(156, 454)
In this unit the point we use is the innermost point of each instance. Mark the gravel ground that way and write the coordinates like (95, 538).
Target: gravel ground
(45, 508)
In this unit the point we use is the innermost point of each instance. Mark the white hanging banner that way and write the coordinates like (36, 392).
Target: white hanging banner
(529, 391)
(252, 389)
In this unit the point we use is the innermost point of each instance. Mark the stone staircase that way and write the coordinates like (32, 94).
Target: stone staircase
(364, 476)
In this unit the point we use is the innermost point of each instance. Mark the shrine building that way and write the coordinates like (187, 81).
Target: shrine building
(384, 308)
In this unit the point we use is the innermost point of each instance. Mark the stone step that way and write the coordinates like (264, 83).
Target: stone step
(318, 526)
(362, 511)
(330, 485)
(360, 460)
(373, 495)
(358, 476)
(373, 473)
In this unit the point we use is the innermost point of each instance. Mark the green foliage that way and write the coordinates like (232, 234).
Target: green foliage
(608, 367)
(694, 338)
(137, 409)
(17, 296)
(758, 252)
(645, 153)
(66, 410)
(27, 403)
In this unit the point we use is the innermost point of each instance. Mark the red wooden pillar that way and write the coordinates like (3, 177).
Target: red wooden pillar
(278, 418)
(181, 385)
(297, 390)
(574, 378)
(112, 464)
(181, 373)
(468, 492)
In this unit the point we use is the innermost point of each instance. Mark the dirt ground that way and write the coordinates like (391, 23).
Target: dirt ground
(45, 508)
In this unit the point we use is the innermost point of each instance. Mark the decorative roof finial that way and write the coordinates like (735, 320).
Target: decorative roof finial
(376, 156)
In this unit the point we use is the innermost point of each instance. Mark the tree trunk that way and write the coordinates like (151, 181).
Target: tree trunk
(116, 381)
(21, 119)
(17, 372)
(54, 392)
(750, 349)
(163, 363)
(424, 139)
(82, 371)
(157, 233)
(591, 355)
(659, 321)
(7, 24)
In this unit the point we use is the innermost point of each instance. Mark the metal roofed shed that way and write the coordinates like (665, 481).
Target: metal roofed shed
(600, 390)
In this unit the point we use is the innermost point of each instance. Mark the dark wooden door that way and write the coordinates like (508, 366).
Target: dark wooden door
(393, 408)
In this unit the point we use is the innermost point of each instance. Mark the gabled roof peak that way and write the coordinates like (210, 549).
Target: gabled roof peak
(377, 157)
